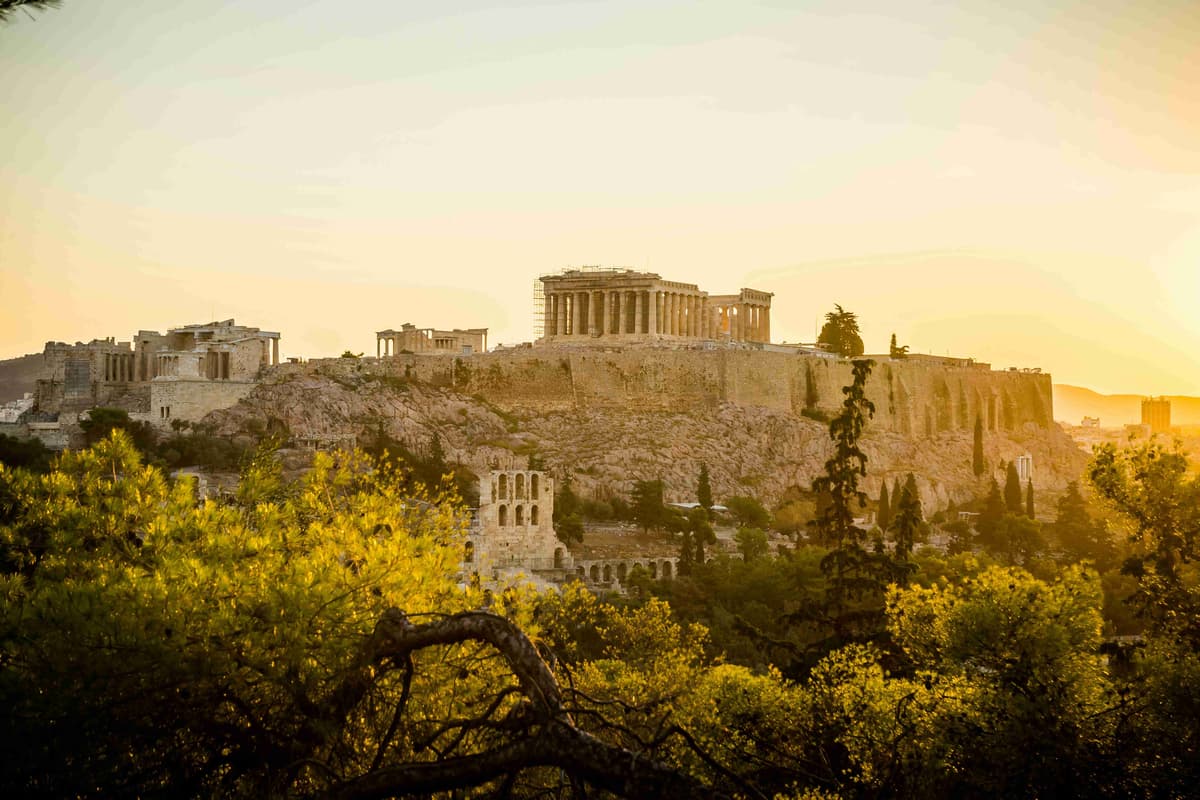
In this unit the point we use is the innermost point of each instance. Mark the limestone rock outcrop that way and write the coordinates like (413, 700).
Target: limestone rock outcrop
(756, 419)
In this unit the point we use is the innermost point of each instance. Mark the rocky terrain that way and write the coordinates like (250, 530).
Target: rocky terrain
(750, 449)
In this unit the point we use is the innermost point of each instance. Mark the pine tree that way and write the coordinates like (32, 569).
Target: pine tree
(1012, 490)
(1029, 499)
(885, 513)
(704, 489)
(977, 465)
(904, 528)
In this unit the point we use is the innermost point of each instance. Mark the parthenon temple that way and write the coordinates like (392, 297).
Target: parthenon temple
(622, 304)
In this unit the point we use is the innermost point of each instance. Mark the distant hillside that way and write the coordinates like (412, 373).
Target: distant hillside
(1073, 403)
(19, 375)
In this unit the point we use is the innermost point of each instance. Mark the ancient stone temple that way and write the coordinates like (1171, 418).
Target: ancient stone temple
(512, 531)
(624, 305)
(411, 339)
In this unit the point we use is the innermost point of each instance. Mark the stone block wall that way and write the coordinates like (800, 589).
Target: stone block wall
(191, 400)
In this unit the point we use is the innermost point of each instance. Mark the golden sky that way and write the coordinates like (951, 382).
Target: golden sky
(1019, 182)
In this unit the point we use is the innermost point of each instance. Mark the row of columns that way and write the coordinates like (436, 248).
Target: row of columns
(118, 367)
(614, 312)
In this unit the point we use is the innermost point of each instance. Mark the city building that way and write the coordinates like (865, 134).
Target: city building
(1156, 412)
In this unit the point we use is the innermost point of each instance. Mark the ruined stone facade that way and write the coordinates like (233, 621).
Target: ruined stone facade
(513, 530)
(627, 306)
(430, 341)
(182, 374)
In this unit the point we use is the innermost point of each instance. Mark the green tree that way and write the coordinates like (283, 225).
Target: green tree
(647, 505)
(1012, 490)
(704, 494)
(840, 333)
(701, 530)
(748, 512)
(977, 462)
(1029, 509)
(751, 543)
(905, 527)
(1080, 536)
(989, 518)
(897, 352)
(884, 517)
(101, 422)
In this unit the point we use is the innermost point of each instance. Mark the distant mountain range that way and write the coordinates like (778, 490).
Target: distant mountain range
(1073, 403)
(19, 375)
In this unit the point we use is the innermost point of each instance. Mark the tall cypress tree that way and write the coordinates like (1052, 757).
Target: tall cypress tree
(977, 451)
(904, 529)
(1029, 499)
(1012, 490)
(704, 489)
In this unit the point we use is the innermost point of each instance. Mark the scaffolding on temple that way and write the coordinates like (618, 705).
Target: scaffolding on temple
(539, 293)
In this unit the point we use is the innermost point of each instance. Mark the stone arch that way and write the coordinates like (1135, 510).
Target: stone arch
(558, 558)
(533, 486)
(493, 491)
(504, 486)
(581, 572)
(503, 515)
(637, 565)
(468, 552)
(533, 515)
(654, 570)
(520, 485)
(608, 573)
(520, 515)
(666, 570)
(595, 573)
(621, 572)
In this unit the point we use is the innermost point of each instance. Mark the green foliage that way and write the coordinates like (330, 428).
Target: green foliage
(28, 454)
(1078, 535)
(100, 422)
(748, 512)
(348, 354)
(1012, 490)
(897, 352)
(751, 543)
(1029, 508)
(8, 8)
(647, 506)
(840, 333)
(1153, 486)
(905, 527)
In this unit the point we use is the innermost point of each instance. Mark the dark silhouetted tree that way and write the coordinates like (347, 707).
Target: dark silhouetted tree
(704, 489)
(884, 517)
(840, 333)
(1029, 500)
(897, 352)
(1012, 490)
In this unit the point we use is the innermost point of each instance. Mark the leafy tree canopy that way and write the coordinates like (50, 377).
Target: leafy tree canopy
(840, 333)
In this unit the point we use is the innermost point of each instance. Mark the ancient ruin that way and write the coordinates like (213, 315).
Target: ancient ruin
(622, 305)
(430, 341)
(511, 539)
(182, 374)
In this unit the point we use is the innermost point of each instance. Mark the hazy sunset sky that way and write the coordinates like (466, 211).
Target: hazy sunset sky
(1016, 181)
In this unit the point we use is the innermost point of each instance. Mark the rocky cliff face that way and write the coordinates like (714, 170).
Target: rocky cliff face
(612, 417)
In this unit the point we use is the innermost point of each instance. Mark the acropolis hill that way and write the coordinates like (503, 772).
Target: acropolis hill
(615, 415)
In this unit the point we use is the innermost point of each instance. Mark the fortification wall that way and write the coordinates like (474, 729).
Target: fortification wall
(916, 399)
(191, 400)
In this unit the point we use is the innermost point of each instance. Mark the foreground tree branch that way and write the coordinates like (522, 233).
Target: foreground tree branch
(549, 738)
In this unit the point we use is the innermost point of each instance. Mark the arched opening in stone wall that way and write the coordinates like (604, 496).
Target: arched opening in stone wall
(504, 486)
(533, 515)
(608, 573)
(468, 552)
(520, 486)
(493, 491)
(533, 486)
(520, 515)
(558, 558)
(581, 572)
(595, 573)
(637, 565)
(654, 570)
(503, 516)
(666, 570)
(621, 572)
